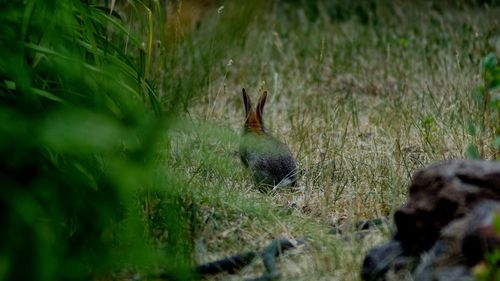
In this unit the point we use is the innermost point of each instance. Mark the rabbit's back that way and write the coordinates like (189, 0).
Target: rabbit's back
(270, 161)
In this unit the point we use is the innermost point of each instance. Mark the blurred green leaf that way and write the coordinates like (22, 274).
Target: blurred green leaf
(495, 82)
(471, 127)
(496, 142)
(477, 94)
(472, 152)
(495, 102)
(81, 131)
(4, 267)
(496, 222)
(489, 62)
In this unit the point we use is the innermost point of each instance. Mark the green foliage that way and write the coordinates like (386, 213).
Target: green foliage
(78, 128)
(490, 270)
(487, 99)
(472, 152)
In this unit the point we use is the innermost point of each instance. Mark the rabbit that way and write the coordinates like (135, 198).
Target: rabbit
(269, 160)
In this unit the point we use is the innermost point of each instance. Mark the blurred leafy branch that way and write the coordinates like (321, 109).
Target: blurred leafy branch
(78, 127)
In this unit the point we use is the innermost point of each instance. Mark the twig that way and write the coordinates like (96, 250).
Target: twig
(235, 263)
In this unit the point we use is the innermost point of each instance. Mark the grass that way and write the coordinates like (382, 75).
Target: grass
(362, 106)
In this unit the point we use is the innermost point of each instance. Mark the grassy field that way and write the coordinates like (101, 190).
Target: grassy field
(119, 130)
(362, 103)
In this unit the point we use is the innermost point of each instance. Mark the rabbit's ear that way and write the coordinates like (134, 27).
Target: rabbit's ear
(247, 102)
(260, 105)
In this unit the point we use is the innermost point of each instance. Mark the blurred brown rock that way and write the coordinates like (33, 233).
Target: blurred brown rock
(446, 226)
(441, 193)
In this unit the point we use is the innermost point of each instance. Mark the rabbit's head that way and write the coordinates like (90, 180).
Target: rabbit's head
(254, 123)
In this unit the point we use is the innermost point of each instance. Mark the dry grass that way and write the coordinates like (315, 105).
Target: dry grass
(361, 106)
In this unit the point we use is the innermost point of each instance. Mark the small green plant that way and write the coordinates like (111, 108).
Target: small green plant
(490, 269)
(487, 125)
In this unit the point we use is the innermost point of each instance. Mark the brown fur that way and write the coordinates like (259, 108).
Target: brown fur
(254, 122)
